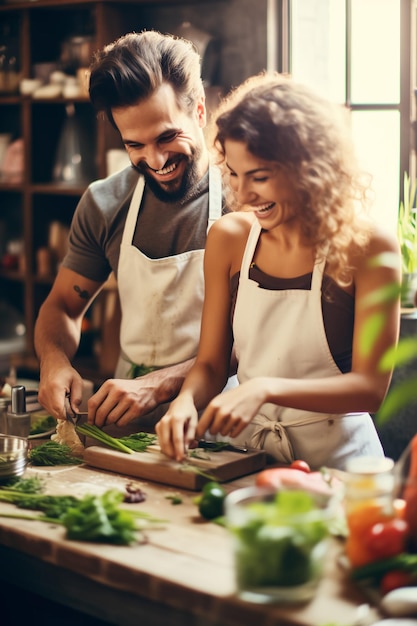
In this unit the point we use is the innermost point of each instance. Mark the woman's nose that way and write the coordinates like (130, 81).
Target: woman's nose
(243, 192)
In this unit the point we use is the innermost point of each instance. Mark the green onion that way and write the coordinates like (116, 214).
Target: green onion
(90, 430)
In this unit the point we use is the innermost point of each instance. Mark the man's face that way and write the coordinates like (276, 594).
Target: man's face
(165, 143)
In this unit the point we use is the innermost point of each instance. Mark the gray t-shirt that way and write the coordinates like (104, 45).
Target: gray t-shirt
(162, 229)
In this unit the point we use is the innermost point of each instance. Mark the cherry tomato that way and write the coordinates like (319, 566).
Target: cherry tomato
(394, 579)
(301, 465)
(386, 539)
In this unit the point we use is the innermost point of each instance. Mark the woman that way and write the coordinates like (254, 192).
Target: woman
(290, 278)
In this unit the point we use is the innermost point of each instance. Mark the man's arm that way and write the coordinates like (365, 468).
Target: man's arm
(57, 336)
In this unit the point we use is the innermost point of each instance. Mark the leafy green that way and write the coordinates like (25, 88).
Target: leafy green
(401, 395)
(53, 453)
(98, 518)
(407, 226)
(53, 507)
(33, 484)
(138, 441)
(42, 425)
(136, 371)
(92, 518)
(276, 541)
(376, 569)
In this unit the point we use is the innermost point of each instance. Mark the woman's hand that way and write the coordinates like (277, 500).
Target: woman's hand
(176, 429)
(231, 411)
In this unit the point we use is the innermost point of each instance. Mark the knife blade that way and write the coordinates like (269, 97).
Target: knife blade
(71, 415)
(217, 446)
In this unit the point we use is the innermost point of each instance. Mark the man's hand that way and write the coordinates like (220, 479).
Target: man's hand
(120, 401)
(55, 383)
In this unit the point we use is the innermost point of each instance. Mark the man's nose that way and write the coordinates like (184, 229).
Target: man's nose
(155, 157)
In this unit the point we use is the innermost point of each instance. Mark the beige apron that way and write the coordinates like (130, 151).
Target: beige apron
(161, 299)
(282, 334)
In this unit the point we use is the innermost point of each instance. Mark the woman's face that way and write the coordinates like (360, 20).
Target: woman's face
(263, 187)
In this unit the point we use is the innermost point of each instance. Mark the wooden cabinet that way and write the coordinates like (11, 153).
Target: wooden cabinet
(40, 37)
(37, 202)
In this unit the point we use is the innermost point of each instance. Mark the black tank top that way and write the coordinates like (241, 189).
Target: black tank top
(337, 308)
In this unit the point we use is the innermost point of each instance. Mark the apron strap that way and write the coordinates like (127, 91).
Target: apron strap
(214, 196)
(132, 214)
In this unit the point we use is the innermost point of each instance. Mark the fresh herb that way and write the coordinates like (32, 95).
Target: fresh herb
(42, 425)
(136, 371)
(198, 454)
(375, 570)
(53, 507)
(138, 441)
(98, 518)
(53, 453)
(92, 518)
(90, 430)
(175, 498)
(25, 485)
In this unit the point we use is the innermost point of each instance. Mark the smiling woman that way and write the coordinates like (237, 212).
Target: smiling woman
(291, 267)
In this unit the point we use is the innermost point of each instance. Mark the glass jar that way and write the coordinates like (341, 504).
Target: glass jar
(369, 498)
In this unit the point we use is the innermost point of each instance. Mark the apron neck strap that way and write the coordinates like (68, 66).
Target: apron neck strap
(215, 195)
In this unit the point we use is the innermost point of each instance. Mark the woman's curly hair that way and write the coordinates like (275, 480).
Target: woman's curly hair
(286, 123)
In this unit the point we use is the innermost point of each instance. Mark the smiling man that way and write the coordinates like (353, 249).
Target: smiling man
(148, 225)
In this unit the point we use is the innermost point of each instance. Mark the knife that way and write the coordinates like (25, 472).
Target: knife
(218, 446)
(71, 415)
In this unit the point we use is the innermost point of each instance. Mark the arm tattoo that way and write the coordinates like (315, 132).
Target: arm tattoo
(84, 295)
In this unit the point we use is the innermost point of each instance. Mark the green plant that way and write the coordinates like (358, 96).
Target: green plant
(407, 226)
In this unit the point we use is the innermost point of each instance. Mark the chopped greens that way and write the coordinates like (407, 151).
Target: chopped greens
(42, 425)
(25, 485)
(138, 441)
(53, 453)
(175, 498)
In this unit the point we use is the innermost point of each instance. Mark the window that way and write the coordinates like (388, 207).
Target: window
(357, 52)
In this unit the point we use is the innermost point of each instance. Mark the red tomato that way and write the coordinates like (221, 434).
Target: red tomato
(386, 539)
(286, 477)
(301, 465)
(395, 579)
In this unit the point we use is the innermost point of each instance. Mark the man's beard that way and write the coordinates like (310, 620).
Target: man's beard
(186, 186)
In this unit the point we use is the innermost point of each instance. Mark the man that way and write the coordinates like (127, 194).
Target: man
(148, 225)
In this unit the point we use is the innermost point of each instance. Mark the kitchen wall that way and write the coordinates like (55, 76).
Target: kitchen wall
(241, 26)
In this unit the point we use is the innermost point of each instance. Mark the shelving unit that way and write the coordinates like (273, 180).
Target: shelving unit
(37, 30)
(34, 202)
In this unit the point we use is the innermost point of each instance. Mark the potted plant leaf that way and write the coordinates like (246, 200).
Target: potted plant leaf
(407, 237)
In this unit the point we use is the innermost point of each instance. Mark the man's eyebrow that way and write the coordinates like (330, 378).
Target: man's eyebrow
(165, 133)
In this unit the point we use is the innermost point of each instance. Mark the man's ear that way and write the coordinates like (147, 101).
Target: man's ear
(201, 111)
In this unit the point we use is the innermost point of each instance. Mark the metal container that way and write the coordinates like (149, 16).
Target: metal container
(13, 457)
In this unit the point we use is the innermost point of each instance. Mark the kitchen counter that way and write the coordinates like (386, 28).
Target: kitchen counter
(181, 573)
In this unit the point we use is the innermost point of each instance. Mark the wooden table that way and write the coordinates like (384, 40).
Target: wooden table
(183, 574)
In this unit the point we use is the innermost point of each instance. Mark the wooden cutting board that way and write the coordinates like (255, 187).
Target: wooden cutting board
(155, 466)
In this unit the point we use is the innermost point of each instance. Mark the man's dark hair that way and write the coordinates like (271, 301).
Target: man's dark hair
(135, 65)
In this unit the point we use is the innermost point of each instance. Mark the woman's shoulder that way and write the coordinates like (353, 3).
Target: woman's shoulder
(236, 224)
